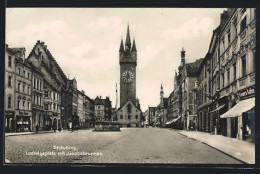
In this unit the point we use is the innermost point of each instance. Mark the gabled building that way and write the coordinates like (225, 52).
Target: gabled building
(103, 109)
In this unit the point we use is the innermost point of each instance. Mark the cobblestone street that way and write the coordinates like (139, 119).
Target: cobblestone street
(131, 145)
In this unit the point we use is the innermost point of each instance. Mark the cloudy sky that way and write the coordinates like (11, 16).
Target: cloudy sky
(85, 43)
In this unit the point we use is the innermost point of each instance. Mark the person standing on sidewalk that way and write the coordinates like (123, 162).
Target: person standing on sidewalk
(37, 128)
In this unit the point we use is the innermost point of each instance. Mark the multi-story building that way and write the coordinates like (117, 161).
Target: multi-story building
(37, 99)
(88, 109)
(80, 112)
(152, 115)
(10, 87)
(226, 92)
(237, 75)
(161, 112)
(52, 86)
(23, 94)
(102, 109)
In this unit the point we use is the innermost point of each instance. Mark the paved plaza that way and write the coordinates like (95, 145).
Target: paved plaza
(130, 145)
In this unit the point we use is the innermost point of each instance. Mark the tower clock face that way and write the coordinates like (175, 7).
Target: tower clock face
(128, 76)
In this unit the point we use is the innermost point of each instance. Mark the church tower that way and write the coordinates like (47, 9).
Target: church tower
(128, 63)
(161, 96)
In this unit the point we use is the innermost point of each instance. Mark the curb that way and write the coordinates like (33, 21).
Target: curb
(243, 162)
(33, 133)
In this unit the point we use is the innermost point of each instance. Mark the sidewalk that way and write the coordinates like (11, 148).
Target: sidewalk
(241, 150)
(26, 133)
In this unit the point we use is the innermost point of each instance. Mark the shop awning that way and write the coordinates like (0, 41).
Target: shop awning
(239, 108)
(173, 121)
(218, 108)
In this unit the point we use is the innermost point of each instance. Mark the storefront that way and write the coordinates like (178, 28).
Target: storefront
(23, 121)
(9, 121)
(241, 118)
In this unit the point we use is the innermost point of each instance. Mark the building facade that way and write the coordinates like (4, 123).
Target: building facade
(23, 93)
(10, 88)
(227, 77)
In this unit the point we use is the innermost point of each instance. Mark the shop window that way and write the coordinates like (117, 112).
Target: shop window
(9, 103)
(9, 81)
(10, 61)
(243, 65)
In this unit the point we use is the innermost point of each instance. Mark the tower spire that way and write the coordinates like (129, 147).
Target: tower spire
(128, 40)
(121, 46)
(134, 47)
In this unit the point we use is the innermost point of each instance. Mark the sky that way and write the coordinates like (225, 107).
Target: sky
(85, 43)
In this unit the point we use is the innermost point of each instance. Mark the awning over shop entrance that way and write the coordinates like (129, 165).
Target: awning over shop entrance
(173, 121)
(218, 108)
(239, 108)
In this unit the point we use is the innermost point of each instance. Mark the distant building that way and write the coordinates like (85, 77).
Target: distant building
(103, 110)
(152, 115)
(81, 114)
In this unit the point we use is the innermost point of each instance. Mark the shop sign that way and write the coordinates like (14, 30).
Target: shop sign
(247, 92)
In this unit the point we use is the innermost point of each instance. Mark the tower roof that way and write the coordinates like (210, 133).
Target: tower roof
(128, 40)
(134, 47)
(121, 46)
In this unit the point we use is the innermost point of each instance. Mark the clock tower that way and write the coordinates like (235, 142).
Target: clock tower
(128, 63)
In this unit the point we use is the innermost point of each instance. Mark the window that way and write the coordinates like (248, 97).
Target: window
(45, 93)
(24, 73)
(40, 85)
(37, 100)
(45, 107)
(228, 76)
(54, 106)
(243, 65)
(136, 117)
(18, 104)
(9, 103)
(34, 82)
(121, 116)
(10, 61)
(28, 89)
(28, 105)
(9, 81)
(19, 84)
(253, 61)
(205, 95)
(235, 71)
(34, 99)
(19, 71)
(228, 36)
(54, 95)
(28, 75)
(98, 107)
(223, 79)
(23, 103)
(243, 24)
(37, 83)
(129, 116)
(24, 88)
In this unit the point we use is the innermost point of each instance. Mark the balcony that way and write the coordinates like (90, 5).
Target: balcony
(242, 81)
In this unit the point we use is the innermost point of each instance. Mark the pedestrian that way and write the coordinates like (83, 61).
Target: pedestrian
(37, 128)
(54, 128)
(59, 128)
